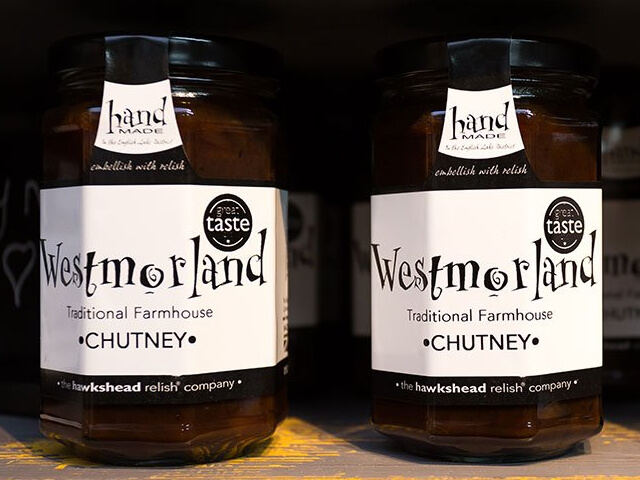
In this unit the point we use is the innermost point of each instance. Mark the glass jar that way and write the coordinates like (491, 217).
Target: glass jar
(163, 246)
(486, 248)
(617, 100)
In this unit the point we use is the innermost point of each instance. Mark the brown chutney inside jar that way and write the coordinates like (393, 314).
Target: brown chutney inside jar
(486, 248)
(154, 359)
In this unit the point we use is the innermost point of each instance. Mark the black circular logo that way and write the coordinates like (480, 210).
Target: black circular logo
(564, 225)
(227, 222)
(295, 221)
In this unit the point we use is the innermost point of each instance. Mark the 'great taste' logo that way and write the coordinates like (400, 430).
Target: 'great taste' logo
(564, 225)
(227, 222)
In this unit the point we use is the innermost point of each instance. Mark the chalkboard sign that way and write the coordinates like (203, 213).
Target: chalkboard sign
(19, 272)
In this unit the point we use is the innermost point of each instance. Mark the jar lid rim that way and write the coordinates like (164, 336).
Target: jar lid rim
(534, 52)
(185, 50)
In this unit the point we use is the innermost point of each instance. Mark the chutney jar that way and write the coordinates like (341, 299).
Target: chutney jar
(486, 248)
(163, 249)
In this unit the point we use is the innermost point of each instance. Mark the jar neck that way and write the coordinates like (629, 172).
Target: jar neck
(188, 83)
(526, 83)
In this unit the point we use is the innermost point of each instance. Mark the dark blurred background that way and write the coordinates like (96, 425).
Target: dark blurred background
(332, 38)
(328, 48)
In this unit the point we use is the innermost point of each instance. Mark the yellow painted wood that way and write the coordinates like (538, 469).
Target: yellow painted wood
(296, 442)
(325, 448)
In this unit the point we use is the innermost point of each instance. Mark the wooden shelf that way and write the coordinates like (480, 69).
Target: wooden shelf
(331, 440)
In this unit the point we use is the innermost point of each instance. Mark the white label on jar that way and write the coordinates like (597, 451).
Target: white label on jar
(480, 283)
(304, 284)
(621, 269)
(162, 279)
(480, 124)
(620, 153)
(361, 269)
(137, 119)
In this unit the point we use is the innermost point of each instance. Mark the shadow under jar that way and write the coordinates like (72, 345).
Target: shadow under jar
(163, 248)
(486, 248)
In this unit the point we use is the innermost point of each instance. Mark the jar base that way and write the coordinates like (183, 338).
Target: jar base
(202, 449)
(544, 445)
(156, 435)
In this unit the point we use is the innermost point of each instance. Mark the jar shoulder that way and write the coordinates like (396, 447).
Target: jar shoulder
(225, 138)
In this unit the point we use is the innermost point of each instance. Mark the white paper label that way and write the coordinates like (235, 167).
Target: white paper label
(137, 119)
(162, 279)
(621, 269)
(620, 153)
(304, 240)
(361, 269)
(480, 124)
(487, 282)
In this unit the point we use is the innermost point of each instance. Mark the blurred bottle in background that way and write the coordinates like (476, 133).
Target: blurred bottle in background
(360, 256)
(617, 99)
(304, 286)
(318, 275)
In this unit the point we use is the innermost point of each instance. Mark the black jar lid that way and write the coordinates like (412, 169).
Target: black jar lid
(432, 54)
(185, 50)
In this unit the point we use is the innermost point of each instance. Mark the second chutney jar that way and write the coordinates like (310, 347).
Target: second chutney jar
(163, 249)
(486, 247)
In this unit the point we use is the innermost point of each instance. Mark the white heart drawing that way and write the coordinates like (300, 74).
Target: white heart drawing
(17, 281)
